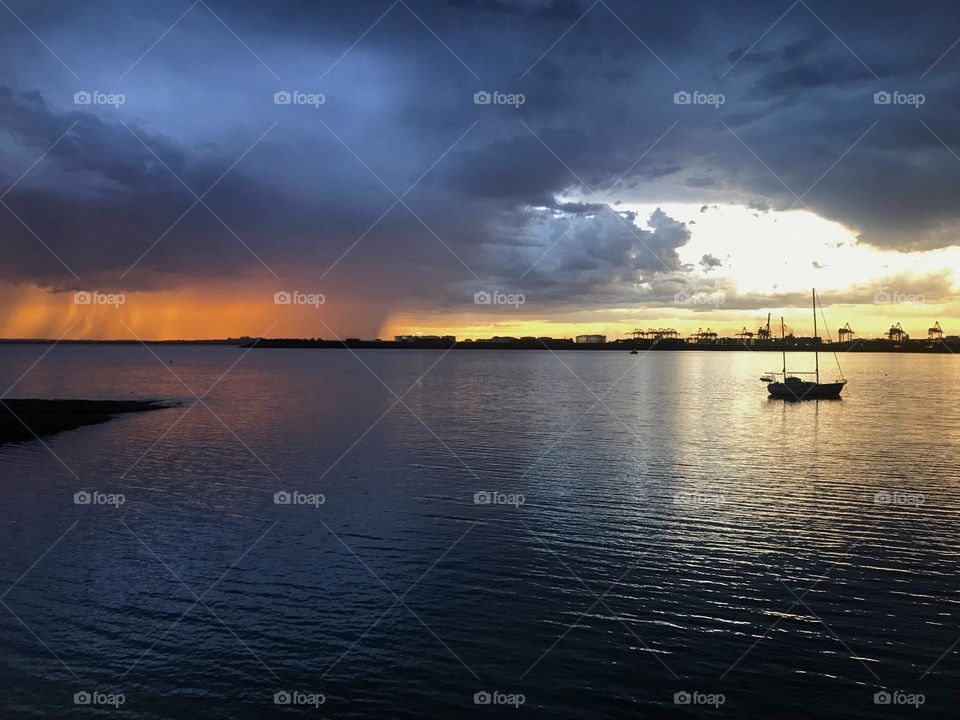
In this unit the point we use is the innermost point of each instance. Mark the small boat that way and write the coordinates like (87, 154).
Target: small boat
(792, 387)
(634, 352)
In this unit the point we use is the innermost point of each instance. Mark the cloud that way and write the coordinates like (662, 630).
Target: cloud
(498, 194)
(708, 262)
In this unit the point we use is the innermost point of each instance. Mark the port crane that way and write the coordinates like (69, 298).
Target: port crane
(936, 332)
(763, 333)
(897, 334)
(845, 333)
(656, 334)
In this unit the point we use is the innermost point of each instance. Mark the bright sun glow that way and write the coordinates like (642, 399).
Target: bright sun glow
(767, 253)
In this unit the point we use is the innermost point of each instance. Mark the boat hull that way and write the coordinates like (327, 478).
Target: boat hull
(805, 390)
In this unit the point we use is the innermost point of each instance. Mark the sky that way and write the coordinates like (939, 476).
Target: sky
(208, 169)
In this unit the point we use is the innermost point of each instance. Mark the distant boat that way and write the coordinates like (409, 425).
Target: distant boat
(795, 388)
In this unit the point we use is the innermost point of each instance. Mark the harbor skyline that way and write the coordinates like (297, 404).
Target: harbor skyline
(916, 327)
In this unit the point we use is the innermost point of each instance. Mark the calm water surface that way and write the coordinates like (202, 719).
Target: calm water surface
(679, 532)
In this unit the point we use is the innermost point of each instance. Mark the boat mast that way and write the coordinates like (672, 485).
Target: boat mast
(816, 345)
(783, 348)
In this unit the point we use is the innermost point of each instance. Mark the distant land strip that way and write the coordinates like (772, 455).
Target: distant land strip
(946, 345)
(796, 344)
(64, 341)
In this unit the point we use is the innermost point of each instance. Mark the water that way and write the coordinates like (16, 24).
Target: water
(672, 517)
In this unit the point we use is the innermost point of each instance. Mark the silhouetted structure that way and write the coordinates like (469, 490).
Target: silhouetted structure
(897, 334)
(895, 339)
(792, 387)
(763, 333)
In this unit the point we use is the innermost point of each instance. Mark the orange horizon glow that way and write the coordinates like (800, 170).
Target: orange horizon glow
(233, 312)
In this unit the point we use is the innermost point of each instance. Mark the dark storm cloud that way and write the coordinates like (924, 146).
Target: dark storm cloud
(590, 132)
(709, 262)
(89, 144)
(101, 198)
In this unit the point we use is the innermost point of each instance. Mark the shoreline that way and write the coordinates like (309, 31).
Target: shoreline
(804, 345)
(801, 344)
(50, 341)
(48, 417)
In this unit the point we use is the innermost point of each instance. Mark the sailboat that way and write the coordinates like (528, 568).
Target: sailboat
(792, 387)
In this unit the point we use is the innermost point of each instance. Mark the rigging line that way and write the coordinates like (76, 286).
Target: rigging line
(827, 328)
